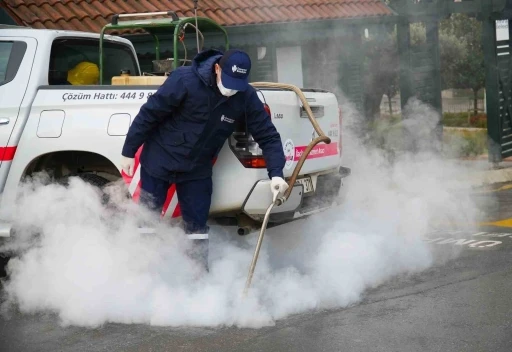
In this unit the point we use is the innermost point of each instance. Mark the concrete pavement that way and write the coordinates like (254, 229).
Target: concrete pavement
(461, 304)
(482, 173)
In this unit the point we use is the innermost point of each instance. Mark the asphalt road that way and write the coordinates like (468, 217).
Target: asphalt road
(462, 304)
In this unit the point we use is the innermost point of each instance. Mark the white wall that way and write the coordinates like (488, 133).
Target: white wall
(289, 65)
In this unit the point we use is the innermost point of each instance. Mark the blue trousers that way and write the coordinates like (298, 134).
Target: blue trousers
(194, 197)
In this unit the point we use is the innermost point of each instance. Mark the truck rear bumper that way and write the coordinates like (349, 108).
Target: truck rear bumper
(5, 229)
(260, 197)
(298, 204)
(326, 193)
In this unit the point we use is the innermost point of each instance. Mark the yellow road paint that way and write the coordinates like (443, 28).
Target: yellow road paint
(500, 223)
(502, 188)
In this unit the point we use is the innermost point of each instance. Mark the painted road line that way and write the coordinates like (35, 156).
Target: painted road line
(502, 188)
(478, 240)
(499, 223)
(507, 223)
(464, 242)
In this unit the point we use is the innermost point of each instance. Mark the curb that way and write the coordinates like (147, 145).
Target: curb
(484, 178)
(467, 129)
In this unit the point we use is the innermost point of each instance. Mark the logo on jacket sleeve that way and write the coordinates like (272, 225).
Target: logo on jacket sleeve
(226, 119)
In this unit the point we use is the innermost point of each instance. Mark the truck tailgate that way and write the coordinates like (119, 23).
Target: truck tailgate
(296, 131)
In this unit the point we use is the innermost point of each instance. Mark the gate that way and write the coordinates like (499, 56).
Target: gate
(497, 51)
(419, 69)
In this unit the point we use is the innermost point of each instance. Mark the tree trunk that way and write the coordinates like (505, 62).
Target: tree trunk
(390, 106)
(372, 110)
(475, 101)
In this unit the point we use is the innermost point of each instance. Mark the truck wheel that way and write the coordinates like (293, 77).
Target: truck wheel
(4, 260)
(94, 179)
(90, 178)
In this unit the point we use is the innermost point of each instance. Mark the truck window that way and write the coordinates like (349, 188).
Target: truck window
(75, 61)
(11, 55)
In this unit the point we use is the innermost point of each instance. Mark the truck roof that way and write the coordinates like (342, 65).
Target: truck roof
(51, 34)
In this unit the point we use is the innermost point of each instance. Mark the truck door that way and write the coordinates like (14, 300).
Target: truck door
(16, 59)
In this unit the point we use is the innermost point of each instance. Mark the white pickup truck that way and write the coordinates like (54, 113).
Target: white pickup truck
(47, 124)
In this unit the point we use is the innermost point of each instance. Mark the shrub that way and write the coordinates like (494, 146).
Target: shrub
(455, 119)
(464, 143)
(460, 119)
(479, 121)
(389, 135)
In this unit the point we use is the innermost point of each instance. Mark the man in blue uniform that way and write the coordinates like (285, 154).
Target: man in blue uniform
(184, 125)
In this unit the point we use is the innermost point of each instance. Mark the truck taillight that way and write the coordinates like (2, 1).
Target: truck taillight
(267, 109)
(245, 148)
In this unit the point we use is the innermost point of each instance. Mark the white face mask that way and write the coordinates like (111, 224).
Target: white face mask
(224, 91)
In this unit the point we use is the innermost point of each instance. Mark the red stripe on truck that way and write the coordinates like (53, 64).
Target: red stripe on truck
(7, 153)
(171, 191)
(318, 151)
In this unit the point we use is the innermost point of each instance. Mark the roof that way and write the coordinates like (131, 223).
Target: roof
(92, 15)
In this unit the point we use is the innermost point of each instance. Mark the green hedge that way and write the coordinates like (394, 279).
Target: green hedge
(450, 119)
(461, 119)
(465, 143)
(388, 135)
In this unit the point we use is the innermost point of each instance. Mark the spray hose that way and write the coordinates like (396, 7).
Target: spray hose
(321, 135)
(278, 201)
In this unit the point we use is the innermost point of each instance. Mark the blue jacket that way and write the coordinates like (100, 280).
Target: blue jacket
(185, 123)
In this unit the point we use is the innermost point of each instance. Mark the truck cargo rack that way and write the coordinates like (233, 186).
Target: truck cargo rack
(171, 23)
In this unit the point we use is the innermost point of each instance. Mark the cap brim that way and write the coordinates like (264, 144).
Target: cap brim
(229, 82)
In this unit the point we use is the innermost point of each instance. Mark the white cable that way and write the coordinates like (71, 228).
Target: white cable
(197, 28)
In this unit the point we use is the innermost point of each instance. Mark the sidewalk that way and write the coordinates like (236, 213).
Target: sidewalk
(483, 173)
(480, 171)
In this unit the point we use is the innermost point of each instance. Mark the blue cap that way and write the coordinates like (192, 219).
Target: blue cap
(235, 68)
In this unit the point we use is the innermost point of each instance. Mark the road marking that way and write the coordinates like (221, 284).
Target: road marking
(464, 242)
(454, 238)
(499, 223)
(502, 188)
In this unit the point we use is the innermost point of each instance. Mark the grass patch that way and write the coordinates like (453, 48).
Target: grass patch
(461, 119)
(450, 119)
(464, 143)
(388, 134)
(455, 119)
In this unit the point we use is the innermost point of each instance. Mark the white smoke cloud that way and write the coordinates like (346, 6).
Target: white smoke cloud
(88, 264)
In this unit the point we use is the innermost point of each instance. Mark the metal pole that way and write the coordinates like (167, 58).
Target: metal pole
(494, 126)
(197, 28)
(258, 245)
(275, 200)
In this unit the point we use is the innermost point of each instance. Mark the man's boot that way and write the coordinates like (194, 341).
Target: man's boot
(199, 250)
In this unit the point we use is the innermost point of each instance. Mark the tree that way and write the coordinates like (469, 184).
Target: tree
(468, 71)
(461, 60)
(382, 66)
(380, 72)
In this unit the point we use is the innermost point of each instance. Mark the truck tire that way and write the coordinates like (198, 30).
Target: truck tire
(4, 260)
(92, 179)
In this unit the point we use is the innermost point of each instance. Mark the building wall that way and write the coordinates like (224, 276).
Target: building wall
(336, 64)
(330, 63)
(322, 61)
(264, 63)
(5, 19)
(289, 65)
